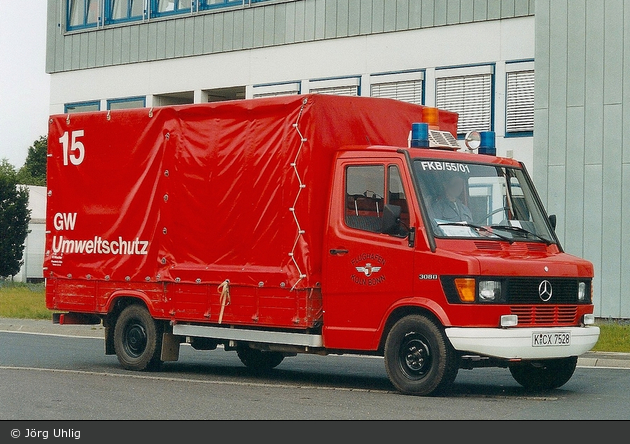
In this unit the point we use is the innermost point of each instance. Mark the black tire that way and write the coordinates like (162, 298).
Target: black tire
(419, 359)
(544, 375)
(138, 339)
(259, 360)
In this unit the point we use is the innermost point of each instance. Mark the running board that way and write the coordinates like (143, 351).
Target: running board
(271, 337)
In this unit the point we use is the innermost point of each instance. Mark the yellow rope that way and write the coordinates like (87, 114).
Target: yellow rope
(224, 289)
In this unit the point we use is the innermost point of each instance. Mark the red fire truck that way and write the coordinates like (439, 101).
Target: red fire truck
(310, 224)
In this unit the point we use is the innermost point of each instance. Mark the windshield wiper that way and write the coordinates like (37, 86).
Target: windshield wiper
(521, 230)
(477, 227)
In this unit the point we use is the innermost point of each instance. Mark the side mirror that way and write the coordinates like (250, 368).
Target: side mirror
(552, 221)
(391, 219)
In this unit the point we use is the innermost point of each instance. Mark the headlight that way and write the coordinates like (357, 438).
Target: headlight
(489, 291)
(582, 291)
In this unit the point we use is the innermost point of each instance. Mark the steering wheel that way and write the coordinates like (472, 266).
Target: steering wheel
(490, 214)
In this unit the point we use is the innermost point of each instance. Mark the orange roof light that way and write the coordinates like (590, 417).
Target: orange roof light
(431, 116)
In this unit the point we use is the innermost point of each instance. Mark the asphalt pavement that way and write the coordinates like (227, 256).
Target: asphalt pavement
(588, 359)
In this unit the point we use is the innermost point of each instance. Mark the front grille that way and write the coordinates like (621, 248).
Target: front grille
(545, 314)
(526, 291)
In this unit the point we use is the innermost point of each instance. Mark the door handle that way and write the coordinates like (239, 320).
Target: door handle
(338, 251)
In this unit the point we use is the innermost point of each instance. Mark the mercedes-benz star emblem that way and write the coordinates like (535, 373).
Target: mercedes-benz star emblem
(545, 290)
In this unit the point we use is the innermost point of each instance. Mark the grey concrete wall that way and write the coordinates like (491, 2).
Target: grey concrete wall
(582, 136)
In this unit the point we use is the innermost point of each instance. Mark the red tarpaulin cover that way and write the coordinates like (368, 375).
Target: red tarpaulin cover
(232, 190)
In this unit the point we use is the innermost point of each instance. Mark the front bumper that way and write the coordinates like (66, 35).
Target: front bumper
(518, 343)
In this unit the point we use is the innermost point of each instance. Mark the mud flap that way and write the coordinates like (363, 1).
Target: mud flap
(109, 341)
(170, 347)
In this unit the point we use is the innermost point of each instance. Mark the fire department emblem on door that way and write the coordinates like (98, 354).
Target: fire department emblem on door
(368, 269)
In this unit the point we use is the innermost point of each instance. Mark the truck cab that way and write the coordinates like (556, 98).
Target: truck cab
(446, 259)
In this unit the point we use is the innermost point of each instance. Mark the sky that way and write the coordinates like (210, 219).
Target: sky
(24, 84)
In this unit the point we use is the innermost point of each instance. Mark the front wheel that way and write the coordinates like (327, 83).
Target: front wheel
(138, 339)
(544, 375)
(419, 359)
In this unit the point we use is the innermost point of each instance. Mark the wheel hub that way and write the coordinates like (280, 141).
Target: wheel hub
(415, 358)
(136, 340)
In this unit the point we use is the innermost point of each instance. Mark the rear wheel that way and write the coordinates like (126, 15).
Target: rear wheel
(544, 375)
(138, 339)
(419, 359)
(259, 360)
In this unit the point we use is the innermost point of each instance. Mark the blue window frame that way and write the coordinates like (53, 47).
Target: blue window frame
(78, 107)
(210, 4)
(117, 11)
(82, 14)
(127, 102)
(160, 8)
(468, 91)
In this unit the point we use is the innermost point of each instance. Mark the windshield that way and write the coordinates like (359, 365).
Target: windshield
(474, 200)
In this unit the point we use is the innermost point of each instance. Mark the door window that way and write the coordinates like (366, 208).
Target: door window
(368, 190)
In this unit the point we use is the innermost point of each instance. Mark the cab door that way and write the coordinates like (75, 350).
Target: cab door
(365, 270)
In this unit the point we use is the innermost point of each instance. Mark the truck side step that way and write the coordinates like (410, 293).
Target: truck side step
(274, 337)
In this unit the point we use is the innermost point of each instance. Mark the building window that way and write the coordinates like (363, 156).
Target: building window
(166, 7)
(519, 94)
(468, 92)
(79, 107)
(83, 13)
(340, 87)
(222, 94)
(126, 103)
(407, 87)
(283, 89)
(209, 4)
(124, 10)
(167, 99)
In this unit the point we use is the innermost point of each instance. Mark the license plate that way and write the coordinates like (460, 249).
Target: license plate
(551, 339)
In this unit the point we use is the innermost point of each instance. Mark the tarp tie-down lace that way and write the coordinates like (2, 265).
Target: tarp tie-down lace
(224, 289)
(302, 185)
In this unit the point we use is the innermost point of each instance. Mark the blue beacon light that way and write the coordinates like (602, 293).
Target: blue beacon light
(420, 135)
(487, 143)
